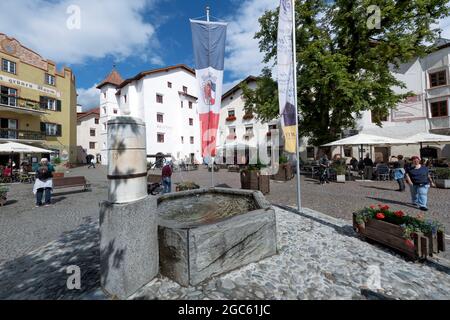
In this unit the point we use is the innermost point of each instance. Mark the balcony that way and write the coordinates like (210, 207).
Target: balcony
(21, 135)
(20, 105)
(439, 123)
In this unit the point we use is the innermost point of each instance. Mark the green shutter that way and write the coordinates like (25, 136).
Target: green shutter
(58, 105)
(43, 127)
(43, 102)
(58, 130)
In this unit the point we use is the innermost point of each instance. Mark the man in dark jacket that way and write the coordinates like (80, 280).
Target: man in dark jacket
(167, 178)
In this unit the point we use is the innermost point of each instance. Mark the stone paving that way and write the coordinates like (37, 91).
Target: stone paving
(319, 258)
(37, 245)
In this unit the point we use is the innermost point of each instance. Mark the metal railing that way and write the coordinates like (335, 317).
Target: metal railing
(14, 134)
(16, 101)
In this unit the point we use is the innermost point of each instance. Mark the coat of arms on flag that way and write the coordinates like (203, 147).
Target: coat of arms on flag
(209, 91)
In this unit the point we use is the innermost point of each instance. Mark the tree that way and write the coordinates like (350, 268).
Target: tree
(344, 63)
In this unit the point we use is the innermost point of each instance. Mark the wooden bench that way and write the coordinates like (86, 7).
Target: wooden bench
(70, 182)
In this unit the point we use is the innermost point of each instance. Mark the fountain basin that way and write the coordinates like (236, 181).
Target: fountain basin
(206, 232)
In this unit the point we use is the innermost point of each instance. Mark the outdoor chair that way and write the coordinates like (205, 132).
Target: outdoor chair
(382, 173)
(25, 178)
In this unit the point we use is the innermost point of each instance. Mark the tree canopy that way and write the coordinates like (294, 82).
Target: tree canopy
(344, 62)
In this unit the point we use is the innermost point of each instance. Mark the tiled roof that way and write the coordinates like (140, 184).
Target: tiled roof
(81, 115)
(113, 78)
(237, 86)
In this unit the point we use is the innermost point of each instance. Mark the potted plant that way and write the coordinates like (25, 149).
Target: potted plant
(230, 118)
(442, 178)
(3, 194)
(414, 236)
(285, 172)
(252, 179)
(248, 116)
(187, 185)
(341, 170)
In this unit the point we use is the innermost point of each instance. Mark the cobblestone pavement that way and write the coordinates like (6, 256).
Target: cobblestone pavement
(318, 257)
(24, 228)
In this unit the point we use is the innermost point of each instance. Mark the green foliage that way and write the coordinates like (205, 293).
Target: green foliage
(187, 185)
(3, 191)
(57, 160)
(443, 173)
(409, 224)
(283, 159)
(344, 68)
(341, 169)
(256, 167)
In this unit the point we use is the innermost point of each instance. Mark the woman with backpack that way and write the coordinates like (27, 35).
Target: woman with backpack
(44, 183)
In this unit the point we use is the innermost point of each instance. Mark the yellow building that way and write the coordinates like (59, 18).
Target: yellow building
(37, 102)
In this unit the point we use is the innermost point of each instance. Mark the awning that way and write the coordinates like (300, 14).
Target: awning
(367, 139)
(14, 147)
(425, 137)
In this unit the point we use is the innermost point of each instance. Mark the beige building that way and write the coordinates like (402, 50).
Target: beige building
(37, 102)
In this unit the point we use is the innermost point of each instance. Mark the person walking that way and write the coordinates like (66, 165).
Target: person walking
(324, 164)
(92, 163)
(399, 176)
(368, 167)
(419, 180)
(43, 183)
(167, 178)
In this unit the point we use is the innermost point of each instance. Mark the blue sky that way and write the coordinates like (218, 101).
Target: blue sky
(136, 35)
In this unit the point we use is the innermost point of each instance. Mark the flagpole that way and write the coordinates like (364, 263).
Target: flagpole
(209, 120)
(297, 147)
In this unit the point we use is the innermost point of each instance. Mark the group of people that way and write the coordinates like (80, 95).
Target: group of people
(416, 174)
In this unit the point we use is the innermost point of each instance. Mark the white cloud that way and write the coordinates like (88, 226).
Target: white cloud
(107, 27)
(88, 98)
(243, 57)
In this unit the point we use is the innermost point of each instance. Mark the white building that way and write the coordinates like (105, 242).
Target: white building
(427, 111)
(88, 135)
(166, 99)
(236, 128)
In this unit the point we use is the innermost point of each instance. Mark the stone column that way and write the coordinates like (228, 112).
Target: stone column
(129, 256)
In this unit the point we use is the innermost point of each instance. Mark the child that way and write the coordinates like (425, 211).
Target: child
(399, 175)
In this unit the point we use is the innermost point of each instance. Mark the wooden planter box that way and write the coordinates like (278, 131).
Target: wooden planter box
(442, 183)
(57, 175)
(285, 173)
(391, 236)
(254, 180)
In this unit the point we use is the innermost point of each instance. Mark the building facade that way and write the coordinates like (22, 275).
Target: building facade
(88, 135)
(37, 102)
(166, 99)
(426, 111)
(240, 130)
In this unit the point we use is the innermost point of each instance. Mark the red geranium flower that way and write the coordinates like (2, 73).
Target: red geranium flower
(409, 243)
(383, 207)
(380, 215)
(399, 214)
(372, 207)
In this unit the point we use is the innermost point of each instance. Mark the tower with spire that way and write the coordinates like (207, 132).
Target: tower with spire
(109, 106)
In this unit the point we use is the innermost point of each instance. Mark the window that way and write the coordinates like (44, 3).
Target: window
(92, 131)
(159, 98)
(439, 109)
(160, 117)
(96, 121)
(310, 152)
(348, 152)
(184, 89)
(115, 111)
(125, 98)
(104, 95)
(232, 130)
(160, 137)
(169, 84)
(104, 109)
(91, 145)
(8, 96)
(104, 126)
(249, 130)
(378, 116)
(11, 124)
(272, 127)
(182, 104)
(231, 113)
(192, 140)
(49, 79)
(182, 140)
(191, 121)
(50, 104)
(8, 66)
(190, 104)
(438, 78)
(51, 129)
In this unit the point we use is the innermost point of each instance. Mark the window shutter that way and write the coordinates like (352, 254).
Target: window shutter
(43, 127)
(58, 105)
(58, 130)
(43, 102)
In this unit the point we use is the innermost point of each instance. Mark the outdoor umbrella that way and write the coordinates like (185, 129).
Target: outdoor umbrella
(14, 147)
(363, 139)
(425, 137)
